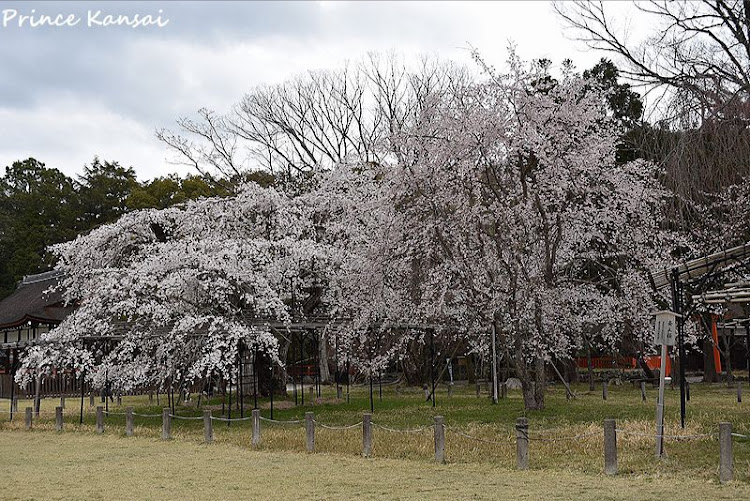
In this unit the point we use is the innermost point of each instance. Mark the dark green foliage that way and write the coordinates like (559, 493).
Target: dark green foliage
(38, 207)
(104, 189)
(41, 206)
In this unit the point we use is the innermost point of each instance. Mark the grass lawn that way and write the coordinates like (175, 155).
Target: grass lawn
(566, 438)
(48, 465)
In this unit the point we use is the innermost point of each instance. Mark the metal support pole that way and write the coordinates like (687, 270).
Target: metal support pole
(494, 365)
(660, 404)
(83, 380)
(432, 364)
(677, 293)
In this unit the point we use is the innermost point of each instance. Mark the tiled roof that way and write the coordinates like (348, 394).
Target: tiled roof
(31, 302)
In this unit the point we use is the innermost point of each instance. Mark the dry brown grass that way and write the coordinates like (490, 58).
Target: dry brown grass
(48, 465)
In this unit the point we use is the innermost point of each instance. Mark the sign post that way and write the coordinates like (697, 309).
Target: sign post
(664, 334)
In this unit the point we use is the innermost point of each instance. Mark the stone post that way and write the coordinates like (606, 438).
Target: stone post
(439, 440)
(166, 424)
(129, 421)
(725, 453)
(100, 419)
(605, 390)
(29, 412)
(367, 435)
(310, 431)
(256, 427)
(522, 443)
(208, 427)
(643, 391)
(610, 447)
(58, 418)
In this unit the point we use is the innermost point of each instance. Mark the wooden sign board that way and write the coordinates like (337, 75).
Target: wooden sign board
(665, 329)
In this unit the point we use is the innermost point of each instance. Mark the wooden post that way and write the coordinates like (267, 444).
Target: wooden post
(367, 435)
(643, 391)
(91, 399)
(29, 412)
(256, 427)
(100, 419)
(15, 402)
(522, 443)
(339, 392)
(119, 400)
(129, 421)
(150, 397)
(739, 392)
(725, 453)
(58, 418)
(504, 390)
(605, 389)
(479, 389)
(166, 423)
(439, 440)
(208, 427)
(62, 401)
(610, 447)
(310, 431)
(450, 389)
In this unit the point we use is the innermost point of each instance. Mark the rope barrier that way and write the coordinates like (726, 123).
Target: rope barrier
(146, 415)
(563, 439)
(327, 427)
(228, 420)
(395, 430)
(510, 442)
(297, 421)
(650, 435)
(740, 435)
(110, 413)
(186, 418)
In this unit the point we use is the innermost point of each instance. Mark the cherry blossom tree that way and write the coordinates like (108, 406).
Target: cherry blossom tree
(509, 209)
(180, 291)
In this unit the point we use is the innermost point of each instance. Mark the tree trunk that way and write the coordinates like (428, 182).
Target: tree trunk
(589, 366)
(325, 374)
(532, 380)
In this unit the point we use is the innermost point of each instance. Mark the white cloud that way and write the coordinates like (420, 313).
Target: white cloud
(67, 134)
(71, 95)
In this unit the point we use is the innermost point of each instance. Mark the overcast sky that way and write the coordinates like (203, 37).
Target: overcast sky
(68, 93)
